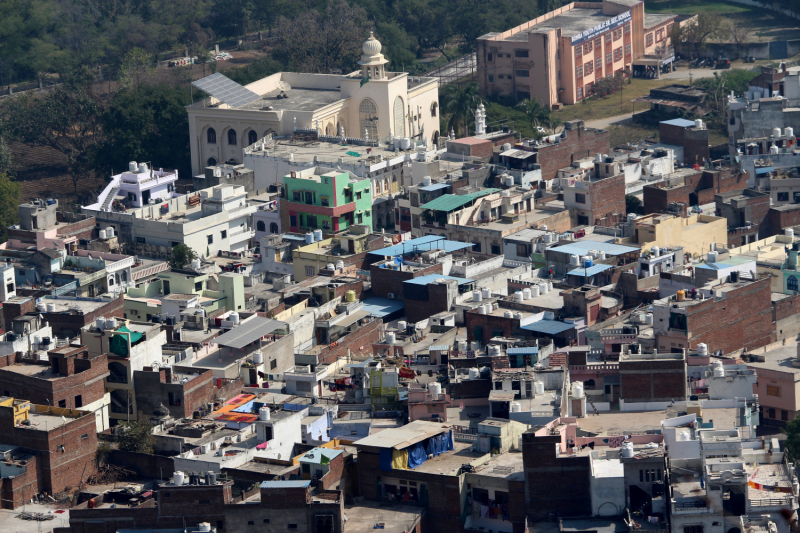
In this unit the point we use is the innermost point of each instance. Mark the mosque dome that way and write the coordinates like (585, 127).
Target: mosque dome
(371, 46)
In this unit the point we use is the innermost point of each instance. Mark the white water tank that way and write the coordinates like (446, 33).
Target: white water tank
(435, 389)
(642, 318)
(598, 158)
(390, 337)
(626, 450)
(330, 266)
(549, 315)
(508, 314)
(339, 265)
(776, 132)
(474, 373)
(577, 389)
(481, 310)
(789, 232)
(100, 323)
(602, 254)
(788, 132)
(37, 339)
(509, 181)
(702, 349)
(462, 346)
(547, 237)
(475, 346)
(177, 476)
(505, 193)
(517, 316)
(196, 264)
(631, 217)
(142, 168)
(263, 414)
(103, 234)
(41, 307)
(574, 260)
(656, 251)
(426, 181)
(317, 235)
(133, 166)
(698, 124)
(526, 294)
(774, 149)
(487, 293)
(477, 296)
(258, 358)
(405, 144)
(719, 371)
(711, 257)
(683, 435)
(309, 238)
(535, 291)
(402, 325)
(494, 350)
(516, 407)
(648, 319)
(543, 227)
(51, 308)
(110, 232)
(518, 296)
(111, 323)
(203, 527)
(234, 317)
(544, 288)
(538, 387)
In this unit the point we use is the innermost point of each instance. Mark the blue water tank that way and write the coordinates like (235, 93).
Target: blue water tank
(587, 263)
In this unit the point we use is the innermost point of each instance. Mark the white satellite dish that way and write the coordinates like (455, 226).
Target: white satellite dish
(284, 86)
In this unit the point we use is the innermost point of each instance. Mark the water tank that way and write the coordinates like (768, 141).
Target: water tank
(518, 296)
(577, 389)
(41, 307)
(549, 315)
(487, 293)
(505, 193)
(508, 314)
(475, 346)
(711, 257)
(516, 407)
(317, 235)
(648, 319)
(258, 358)
(626, 450)
(390, 337)
(195, 264)
(534, 291)
(111, 323)
(517, 316)
(51, 308)
(598, 158)
(234, 317)
(631, 217)
(543, 227)
(776, 132)
(462, 346)
(544, 288)
(508, 181)
(133, 166)
(788, 132)
(698, 124)
(100, 322)
(773, 149)
(474, 373)
(574, 260)
(350, 296)
(683, 435)
(435, 389)
(656, 251)
(37, 339)
(789, 232)
(494, 350)
(538, 387)
(702, 349)
(594, 253)
(426, 181)
(587, 262)
(339, 265)
(680, 295)
(477, 296)
(719, 372)
(526, 294)
(602, 255)
(142, 168)
(177, 476)
(481, 309)
(309, 238)
(547, 237)
(405, 144)
(263, 414)
(110, 232)
(103, 235)
(203, 527)
(402, 325)
(642, 318)
(211, 478)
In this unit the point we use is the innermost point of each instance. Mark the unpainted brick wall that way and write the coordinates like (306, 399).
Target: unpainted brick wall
(566, 490)
(359, 341)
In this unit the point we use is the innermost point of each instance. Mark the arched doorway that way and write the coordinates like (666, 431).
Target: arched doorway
(273, 227)
(211, 162)
(367, 119)
(435, 138)
(261, 226)
(399, 118)
(734, 501)
(252, 137)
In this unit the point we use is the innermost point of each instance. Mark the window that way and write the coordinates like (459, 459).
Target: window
(292, 526)
(520, 53)
(773, 390)
(252, 137)
(598, 63)
(783, 196)
(649, 39)
(435, 107)
(261, 226)
(490, 57)
(770, 413)
(608, 37)
(232, 137)
(293, 220)
(324, 201)
(273, 364)
(273, 227)
(476, 247)
(660, 35)
(523, 73)
(204, 502)
(140, 240)
(580, 198)
(617, 34)
(358, 195)
(198, 286)
(578, 51)
(399, 117)
(627, 49)
(495, 249)
(326, 224)
(360, 218)
(211, 136)
(368, 119)
(78, 401)
(588, 68)
(266, 520)
(62, 403)
(627, 29)
(608, 57)
(223, 234)
(86, 435)
(522, 250)
(210, 239)
(491, 80)
(297, 197)
(580, 93)
(598, 42)
(677, 321)
(693, 529)
(251, 522)
(618, 54)
(311, 222)
(587, 47)
(791, 283)
(784, 415)
(579, 72)
(309, 271)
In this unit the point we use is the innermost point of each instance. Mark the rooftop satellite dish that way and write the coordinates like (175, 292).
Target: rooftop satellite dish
(283, 86)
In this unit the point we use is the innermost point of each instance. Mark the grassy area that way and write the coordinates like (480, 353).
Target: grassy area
(766, 25)
(627, 132)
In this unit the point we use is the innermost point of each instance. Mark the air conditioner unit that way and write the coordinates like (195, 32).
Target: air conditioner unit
(390, 295)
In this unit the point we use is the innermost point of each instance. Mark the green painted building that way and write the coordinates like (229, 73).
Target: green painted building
(327, 200)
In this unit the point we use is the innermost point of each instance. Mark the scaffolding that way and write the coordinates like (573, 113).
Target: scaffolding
(462, 67)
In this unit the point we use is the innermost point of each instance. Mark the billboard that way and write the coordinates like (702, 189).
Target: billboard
(610, 24)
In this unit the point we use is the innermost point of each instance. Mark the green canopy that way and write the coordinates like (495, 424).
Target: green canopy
(353, 154)
(324, 460)
(119, 343)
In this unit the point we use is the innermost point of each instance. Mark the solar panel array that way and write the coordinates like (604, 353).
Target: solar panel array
(226, 90)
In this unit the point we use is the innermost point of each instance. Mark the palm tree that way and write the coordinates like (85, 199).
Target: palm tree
(460, 101)
(552, 122)
(536, 113)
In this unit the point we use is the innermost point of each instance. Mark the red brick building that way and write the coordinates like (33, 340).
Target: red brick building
(692, 187)
(746, 212)
(181, 393)
(651, 377)
(576, 142)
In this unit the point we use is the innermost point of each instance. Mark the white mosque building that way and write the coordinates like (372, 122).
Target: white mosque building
(368, 104)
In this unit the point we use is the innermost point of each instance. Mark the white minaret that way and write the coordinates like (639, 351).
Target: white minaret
(480, 120)
(372, 61)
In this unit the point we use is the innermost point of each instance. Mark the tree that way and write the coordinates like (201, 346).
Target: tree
(459, 101)
(6, 158)
(702, 28)
(136, 436)
(10, 193)
(632, 203)
(739, 30)
(792, 442)
(182, 255)
(537, 113)
(137, 63)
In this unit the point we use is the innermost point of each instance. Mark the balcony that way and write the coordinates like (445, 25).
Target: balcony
(241, 234)
(337, 211)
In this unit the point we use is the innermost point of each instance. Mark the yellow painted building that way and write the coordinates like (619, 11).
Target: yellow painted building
(695, 234)
(308, 260)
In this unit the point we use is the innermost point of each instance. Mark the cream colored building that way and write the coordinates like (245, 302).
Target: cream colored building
(370, 103)
(695, 234)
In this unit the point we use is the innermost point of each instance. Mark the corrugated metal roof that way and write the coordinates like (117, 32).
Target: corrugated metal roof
(289, 484)
(549, 327)
(249, 331)
(448, 202)
(732, 261)
(525, 350)
(439, 347)
(583, 247)
(422, 244)
(682, 122)
(591, 271)
(403, 437)
(434, 187)
(430, 278)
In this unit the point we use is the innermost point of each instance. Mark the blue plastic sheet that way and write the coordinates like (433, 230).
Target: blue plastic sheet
(438, 445)
(386, 459)
(416, 455)
(450, 441)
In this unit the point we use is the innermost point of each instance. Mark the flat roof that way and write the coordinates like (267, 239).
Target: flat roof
(735, 260)
(591, 271)
(248, 332)
(448, 202)
(315, 455)
(434, 187)
(583, 247)
(421, 244)
(548, 327)
(682, 122)
(780, 359)
(362, 517)
(570, 22)
(381, 307)
(430, 278)
(287, 484)
(403, 437)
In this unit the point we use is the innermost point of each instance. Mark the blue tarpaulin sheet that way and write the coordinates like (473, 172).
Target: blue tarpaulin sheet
(438, 445)
(386, 459)
(416, 455)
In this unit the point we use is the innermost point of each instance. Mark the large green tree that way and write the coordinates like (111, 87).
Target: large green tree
(459, 102)
(10, 193)
(136, 436)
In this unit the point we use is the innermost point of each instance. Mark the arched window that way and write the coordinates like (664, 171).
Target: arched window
(211, 162)
(368, 119)
(434, 107)
(399, 118)
(436, 138)
(211, 135)
(273, 227)
(260, 226)
(232, 137)
(791, 283)
(252, 137)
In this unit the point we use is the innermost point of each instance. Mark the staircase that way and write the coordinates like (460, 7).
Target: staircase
(109, 198)
(594, 407)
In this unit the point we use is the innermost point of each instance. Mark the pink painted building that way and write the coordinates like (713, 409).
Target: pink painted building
(427, 403)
